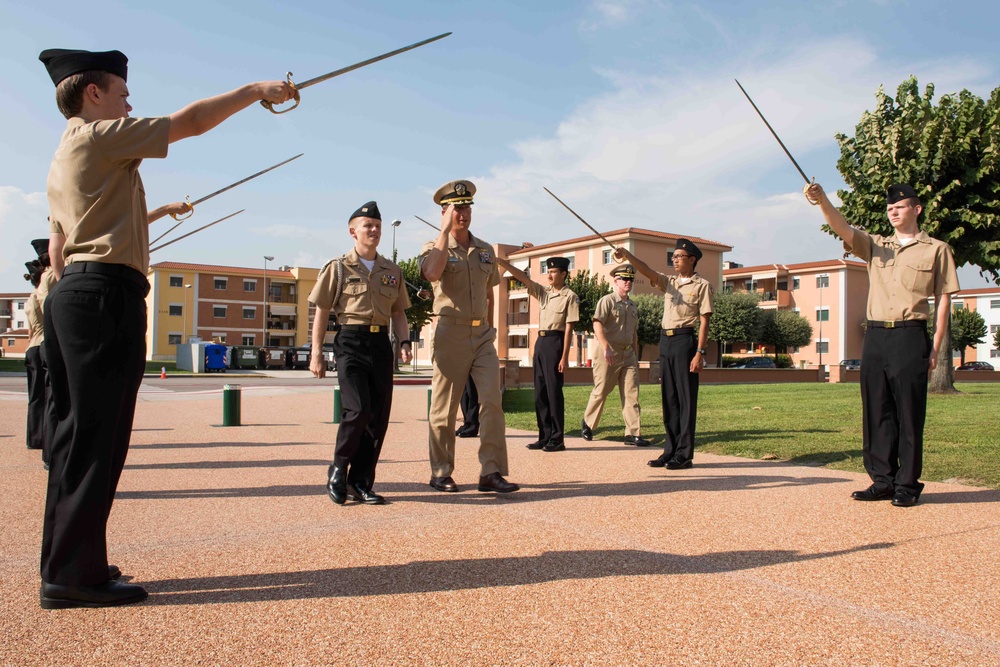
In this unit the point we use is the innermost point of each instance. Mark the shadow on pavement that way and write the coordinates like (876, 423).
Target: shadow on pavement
(206, 445)
(210, 465)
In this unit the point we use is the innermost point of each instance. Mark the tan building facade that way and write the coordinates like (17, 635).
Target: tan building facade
(13, 323)
(986, 302)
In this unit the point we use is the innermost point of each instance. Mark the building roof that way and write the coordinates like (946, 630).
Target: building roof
(624, 233)
(15, 295)
(979, 291)
(791, 268)
(214, 268)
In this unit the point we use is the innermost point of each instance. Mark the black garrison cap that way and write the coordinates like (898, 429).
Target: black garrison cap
(899, 192)
(624, 271)
(369, 210)
(688, 247)
(41, 246)
(62, 63)
(560, 263)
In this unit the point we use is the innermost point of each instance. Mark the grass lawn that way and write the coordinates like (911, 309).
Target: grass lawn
(806, 424)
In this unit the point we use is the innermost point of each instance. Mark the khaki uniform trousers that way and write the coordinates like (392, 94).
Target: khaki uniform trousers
(624, 374)
(460, 352)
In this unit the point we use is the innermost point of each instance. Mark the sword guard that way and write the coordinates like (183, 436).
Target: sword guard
(190, 213)
(805, 191)
(295, 95)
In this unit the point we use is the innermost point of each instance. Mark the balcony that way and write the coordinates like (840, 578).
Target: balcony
(781, 298)
(518, 319)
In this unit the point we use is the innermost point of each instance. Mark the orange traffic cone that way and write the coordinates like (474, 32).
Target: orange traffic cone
(163, 372)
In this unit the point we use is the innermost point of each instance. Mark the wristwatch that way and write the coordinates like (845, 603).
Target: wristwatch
(702, 352)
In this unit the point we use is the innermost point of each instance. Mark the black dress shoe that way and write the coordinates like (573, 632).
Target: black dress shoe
(537, 445)
(873, 493)
(114, 572)
(495, 482)
(554, 447)
(467, 433)
(678, 465)
(585, 431)
(637, 441)
(363, 494)
(658, 462)
(109, 594)
(905, 498)
(446, 484)
(336, 485)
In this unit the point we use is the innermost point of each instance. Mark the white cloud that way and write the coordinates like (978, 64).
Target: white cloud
(612, 13)
(22, 218)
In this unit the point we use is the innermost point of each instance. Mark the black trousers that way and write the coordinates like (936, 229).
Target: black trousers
(470, 408)
(35, 428)
(894, 404)
(95, 347)
(679, 395)
(550, 411)
(364, 368)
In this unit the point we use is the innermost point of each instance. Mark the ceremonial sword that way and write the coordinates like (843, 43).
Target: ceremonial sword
(192, 204)
(780, 142)
(432, 226)
(296, 87)
(164, 245)
(603, 237)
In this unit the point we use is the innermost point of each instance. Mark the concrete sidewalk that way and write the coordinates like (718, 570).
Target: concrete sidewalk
(598, 560)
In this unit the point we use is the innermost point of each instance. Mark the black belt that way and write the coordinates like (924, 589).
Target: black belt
(365, 328)
(678, 332)
(898, 324)
(126, 273)
(553, 332)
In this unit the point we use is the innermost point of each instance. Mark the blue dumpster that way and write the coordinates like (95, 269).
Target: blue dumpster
(215, 358)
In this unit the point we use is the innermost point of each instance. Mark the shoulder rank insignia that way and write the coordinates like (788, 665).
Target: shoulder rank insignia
(485, 257)
(389, 280)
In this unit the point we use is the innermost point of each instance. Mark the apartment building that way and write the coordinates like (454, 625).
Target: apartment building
(832, 295)
(986, 302)
(13, 323)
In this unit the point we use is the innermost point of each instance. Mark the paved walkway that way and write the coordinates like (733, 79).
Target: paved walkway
(599, 560)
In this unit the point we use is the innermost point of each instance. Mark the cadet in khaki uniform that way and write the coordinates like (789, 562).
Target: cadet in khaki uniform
(463, 271)
(559, 310)
(365, 291)
(904, 271)
(687, 307)
(38, 273)
(616, 327)
(95, 316)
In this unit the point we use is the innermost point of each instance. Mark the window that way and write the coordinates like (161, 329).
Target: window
(670, 257)
(994, 354)
(519, 342)
(795, 283)
(994, 328)
(176, 310)
(249, 313)
(219, 337)
(994, 303)
(823, 347)
(822, 314)
(173, 339)
(218, 311)
(608, 259)
(10, 342)
(249, 285)
(177, 281)
(20, 305)
(221, 283)
(822, 281)
(249, 340)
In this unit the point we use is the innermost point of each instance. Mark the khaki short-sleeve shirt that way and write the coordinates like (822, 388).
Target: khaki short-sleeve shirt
(468, 277)
(45, 286)
(368, 298)
(96, 198)
(620, 319)
(684, 302)
(556, 308)
(33, 312)
(901, 278)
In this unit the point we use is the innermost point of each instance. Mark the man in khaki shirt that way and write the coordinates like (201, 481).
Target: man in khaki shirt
(616, 327)
(463, 272)
(687, 307)
(904, 271)
(367, 294)
(95, 316)
(559, 310)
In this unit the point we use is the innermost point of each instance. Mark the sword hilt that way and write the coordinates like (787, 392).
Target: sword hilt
(190, 213)
(295, 96)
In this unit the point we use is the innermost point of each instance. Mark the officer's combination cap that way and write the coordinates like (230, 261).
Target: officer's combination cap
(688, 247)
(62, 63)
(624, 271)
(899, 192)
(369, 210)
(458, 193)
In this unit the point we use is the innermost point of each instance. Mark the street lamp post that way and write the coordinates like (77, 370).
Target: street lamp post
(263, 312)
(184, 332)
(395, 223)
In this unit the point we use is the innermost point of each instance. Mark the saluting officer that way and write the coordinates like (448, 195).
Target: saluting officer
(365, 291)
(687, 307)
(463, 271)
(904, 271)
(559, 310)
(616, 327)
(95, 316)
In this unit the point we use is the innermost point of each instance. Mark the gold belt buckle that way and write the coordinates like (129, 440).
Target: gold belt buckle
(476, 323)
(627, 348)
(889, 324)
(374, 328)
(670, 332)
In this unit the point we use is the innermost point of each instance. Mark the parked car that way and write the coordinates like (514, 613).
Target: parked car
(977, 366)
(851, 364)
(755, 362)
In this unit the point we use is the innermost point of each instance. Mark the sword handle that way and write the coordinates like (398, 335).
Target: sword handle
(295, 95)
(190, 213)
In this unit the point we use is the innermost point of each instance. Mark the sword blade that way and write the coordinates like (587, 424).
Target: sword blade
(164, 245)
(365, 63)
(566, 206)
(773, 133)
(432, 226)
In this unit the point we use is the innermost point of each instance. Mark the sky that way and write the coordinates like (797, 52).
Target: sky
(626, 109)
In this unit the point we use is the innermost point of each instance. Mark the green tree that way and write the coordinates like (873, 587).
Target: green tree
(735, 318)
(949, 152)
(650, 319)
(968, 328)
(784, 329)
(589, 288)
(422, 310)
(996, 339)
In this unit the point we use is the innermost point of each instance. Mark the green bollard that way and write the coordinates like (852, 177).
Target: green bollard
(336, 404)
(428, 403)
(231, 405)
